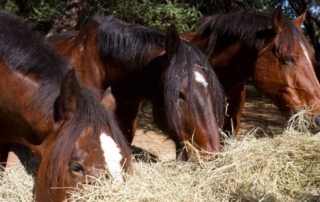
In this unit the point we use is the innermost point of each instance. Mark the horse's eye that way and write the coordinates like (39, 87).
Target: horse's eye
(76, 168)
(182, 96)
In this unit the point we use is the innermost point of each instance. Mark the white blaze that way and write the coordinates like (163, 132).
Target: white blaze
(305, 52)
(199, 78)
(112, 156)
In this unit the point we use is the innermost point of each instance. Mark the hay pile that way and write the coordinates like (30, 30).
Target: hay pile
(283, 168)
(16, 185)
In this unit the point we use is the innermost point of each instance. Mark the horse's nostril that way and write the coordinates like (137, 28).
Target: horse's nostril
(316, 122)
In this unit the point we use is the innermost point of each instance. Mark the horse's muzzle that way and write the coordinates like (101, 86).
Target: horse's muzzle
(316, 124)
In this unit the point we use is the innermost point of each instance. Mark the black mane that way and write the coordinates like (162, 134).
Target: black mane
(252, 29)
(24, 51)
(243, 26)
(126, 43)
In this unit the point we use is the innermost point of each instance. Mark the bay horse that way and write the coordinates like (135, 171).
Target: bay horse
(140, 63)
(44, 108)
(271, 50)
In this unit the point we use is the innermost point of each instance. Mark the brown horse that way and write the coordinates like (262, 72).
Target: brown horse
(272, 51)
(139, 63)
(43, 107)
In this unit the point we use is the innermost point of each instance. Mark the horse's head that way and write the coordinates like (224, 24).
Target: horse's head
(284, 69)
(87, 141)
(193, 100)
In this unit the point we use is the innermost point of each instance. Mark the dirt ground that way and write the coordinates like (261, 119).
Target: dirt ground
(259, 113)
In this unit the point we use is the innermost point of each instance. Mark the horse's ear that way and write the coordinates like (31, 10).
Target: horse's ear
(278, 20)
(299, 20)
(172, 41)
(69, 98)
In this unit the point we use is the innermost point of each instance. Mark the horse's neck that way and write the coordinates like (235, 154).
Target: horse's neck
(83, 54)
(233, 63)
(20, 111)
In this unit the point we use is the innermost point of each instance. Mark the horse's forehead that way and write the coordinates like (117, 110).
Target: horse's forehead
(87, 140)
(85, 133)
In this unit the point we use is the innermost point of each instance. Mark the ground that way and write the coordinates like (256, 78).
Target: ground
(259, 113)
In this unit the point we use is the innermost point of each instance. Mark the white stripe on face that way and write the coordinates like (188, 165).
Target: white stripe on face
(305, 52)
(199, 78)
(112, 156)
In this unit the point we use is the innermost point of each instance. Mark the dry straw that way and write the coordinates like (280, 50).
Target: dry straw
(283, 168)
(15, 185)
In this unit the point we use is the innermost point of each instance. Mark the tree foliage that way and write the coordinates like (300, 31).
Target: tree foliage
(40, 12)
(154, 13)
(158, 14)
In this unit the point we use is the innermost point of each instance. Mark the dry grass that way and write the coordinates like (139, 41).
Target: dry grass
(283, 168)
(16, 185)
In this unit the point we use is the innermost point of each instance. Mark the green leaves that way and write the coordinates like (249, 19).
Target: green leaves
(159, 15)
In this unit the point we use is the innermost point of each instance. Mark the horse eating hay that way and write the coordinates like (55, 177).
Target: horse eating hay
(139, 63)
(43, 107)
(272, 51)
